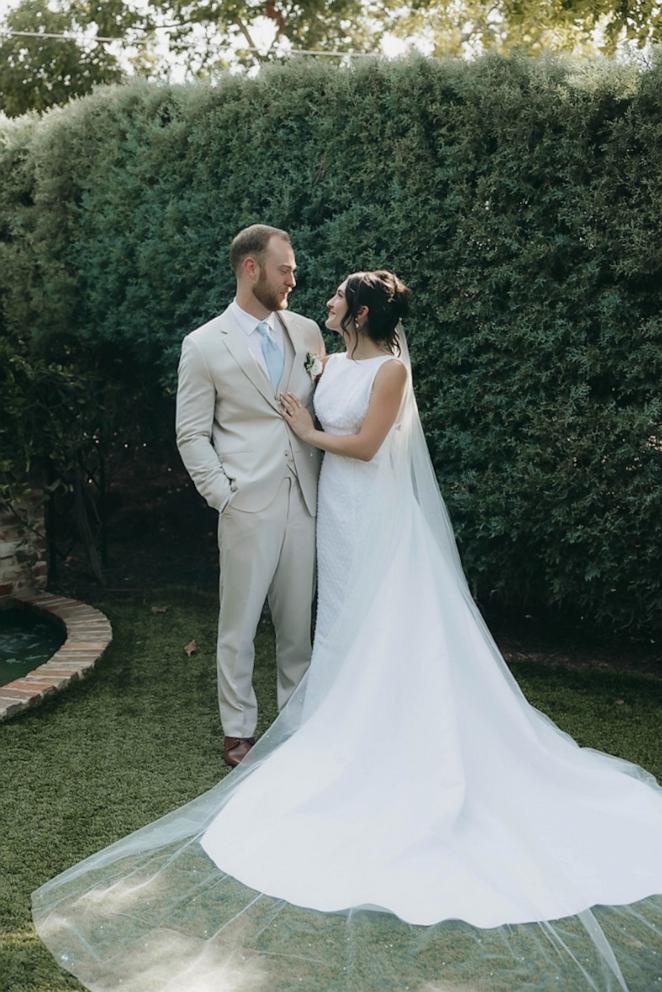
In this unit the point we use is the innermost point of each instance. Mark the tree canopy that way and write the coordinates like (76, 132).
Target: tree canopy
(36, 73)
(205, 37)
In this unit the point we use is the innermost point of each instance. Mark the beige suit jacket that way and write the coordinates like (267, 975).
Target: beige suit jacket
(230, 433)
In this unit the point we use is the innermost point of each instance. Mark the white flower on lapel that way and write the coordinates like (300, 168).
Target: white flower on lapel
(313, 365)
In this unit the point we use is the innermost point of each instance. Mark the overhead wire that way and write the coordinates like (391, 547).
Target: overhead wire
(72, 36)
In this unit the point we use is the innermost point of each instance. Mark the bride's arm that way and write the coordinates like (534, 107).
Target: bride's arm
(387, 392)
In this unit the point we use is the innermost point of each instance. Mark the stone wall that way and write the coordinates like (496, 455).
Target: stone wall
(23, 568)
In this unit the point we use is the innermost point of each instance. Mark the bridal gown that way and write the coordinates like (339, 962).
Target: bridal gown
(409, 822)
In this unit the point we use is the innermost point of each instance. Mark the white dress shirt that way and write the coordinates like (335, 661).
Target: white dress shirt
(248, 324)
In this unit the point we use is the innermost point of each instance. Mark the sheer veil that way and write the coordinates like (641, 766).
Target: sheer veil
(153, 913)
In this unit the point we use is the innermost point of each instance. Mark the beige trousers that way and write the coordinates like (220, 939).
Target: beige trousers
(266, 555)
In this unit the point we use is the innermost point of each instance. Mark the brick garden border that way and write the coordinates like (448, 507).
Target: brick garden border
(88, 634)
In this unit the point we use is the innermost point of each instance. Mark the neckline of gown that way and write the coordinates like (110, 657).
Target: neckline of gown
(346, 356)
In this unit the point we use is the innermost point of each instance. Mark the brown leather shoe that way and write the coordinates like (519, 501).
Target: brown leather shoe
(235, 749)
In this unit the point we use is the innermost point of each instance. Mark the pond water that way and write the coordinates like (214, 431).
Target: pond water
(26, 640)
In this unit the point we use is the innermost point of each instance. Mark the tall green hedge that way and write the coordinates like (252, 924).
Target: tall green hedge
(522, 202)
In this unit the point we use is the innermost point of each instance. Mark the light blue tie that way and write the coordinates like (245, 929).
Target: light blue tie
(273, 357)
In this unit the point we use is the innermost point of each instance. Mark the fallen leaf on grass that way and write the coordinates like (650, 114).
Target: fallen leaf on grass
(190, 648)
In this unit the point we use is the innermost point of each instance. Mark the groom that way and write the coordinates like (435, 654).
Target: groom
(248, 465)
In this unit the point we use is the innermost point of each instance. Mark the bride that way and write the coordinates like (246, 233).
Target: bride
(409, 821)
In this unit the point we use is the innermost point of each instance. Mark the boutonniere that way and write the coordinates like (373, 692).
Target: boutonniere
(313, 365)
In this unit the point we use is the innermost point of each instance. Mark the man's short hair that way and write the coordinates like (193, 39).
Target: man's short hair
(253, 241)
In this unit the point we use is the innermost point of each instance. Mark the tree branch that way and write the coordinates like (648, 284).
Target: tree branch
(247, 35)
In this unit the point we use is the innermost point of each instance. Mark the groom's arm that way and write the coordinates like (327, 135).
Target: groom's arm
(196, 401)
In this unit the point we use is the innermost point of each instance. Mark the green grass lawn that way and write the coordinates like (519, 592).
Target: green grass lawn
(142, 736)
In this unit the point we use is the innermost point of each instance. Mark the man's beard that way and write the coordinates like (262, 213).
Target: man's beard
(268, 297)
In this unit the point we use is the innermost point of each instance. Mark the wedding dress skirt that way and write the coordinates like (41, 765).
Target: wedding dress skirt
(409, 822)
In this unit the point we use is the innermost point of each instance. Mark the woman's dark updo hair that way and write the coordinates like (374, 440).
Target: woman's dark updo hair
(387, 300)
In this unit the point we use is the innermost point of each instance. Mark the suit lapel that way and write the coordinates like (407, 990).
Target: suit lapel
(290, 353)
(237, 344)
